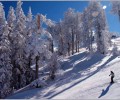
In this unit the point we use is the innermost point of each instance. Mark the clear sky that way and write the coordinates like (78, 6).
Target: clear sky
(55, 10)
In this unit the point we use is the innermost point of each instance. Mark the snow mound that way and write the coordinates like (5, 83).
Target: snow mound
(38, 83)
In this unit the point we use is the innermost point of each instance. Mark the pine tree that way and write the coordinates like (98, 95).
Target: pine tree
(17, 39)
(11, 18)
(5, 63)
(29, 28)
(54, 66)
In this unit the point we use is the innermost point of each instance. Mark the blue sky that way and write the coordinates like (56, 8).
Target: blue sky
(55, 10)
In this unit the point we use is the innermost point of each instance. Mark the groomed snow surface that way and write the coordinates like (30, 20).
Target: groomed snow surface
(85, 77)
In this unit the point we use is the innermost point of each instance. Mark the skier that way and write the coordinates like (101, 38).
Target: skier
(112, 76)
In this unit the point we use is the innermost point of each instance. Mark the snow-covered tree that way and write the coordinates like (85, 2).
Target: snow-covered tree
(17, 37)
(39, 46)
(48, 33)
(11, 18)
(29, 32)
(116, 8)
(2, 15)
(79, 30)
(88, 28)
(99, 25)
(19, 12)
(5, 62)
(56, 32)
(61, 40)
(70, 21)
(66, 33)
(105, 34)
(54, 66)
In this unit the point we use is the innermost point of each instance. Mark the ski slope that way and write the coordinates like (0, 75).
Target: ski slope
(85, 77)
(96, 86)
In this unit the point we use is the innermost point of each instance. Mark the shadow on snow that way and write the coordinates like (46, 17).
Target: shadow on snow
(81, 66)
(104, 91)
(71, 75)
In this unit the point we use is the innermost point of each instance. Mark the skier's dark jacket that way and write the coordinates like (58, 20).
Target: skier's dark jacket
(112, 74)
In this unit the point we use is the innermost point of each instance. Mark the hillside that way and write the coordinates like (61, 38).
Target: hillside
(85, 76)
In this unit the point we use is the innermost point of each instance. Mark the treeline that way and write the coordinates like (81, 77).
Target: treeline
(82, 29)
(22, 44)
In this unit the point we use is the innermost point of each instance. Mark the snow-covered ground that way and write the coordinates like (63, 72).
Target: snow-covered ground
(85, 77)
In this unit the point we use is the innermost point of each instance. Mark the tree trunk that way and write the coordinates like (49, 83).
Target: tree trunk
(91, 39)
(78, 45)
(37, 66)
(62, 46)
(52, 47)
(99, 40)
(68, 49)
(29, 62)
(72, 42)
